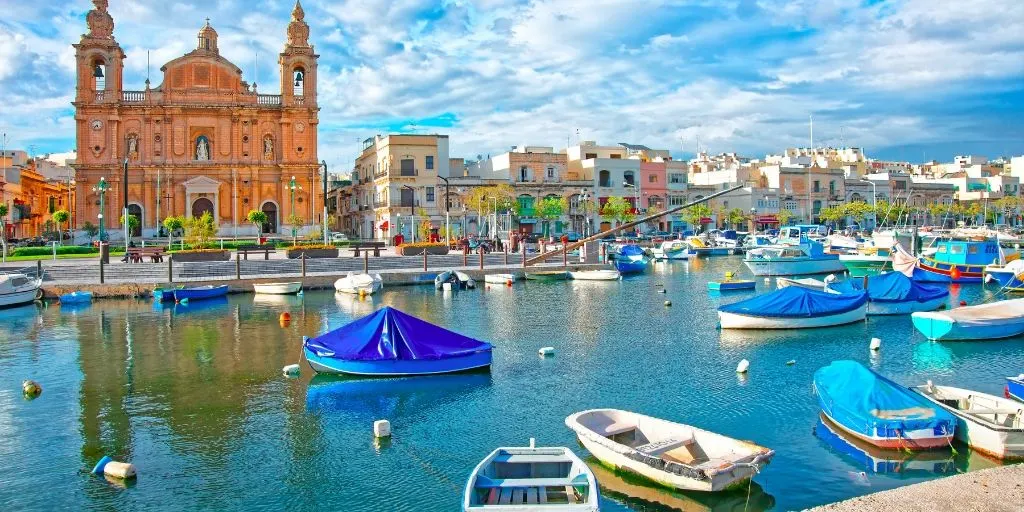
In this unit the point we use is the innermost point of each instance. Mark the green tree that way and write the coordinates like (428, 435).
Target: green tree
(295, 220)
(618, 209)
(831, 215)
(549, 209)
(857, 210)
(695, 213)
(172, 224)
(970, 212)
(785, 215)
(60, 217)
(199, 231)
(3, 221)
(653, 210)
(258, 219)
(736, 217)
(91, 230)
(484, 200)
(133, 223)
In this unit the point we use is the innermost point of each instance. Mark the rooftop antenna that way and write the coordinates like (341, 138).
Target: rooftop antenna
(842, 136)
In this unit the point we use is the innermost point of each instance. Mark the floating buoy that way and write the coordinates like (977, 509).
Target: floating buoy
(662, 291)
(955, 274)
(728, 275)
(876, 344)
(668, 303)
(963, 303)
(381, 428)
(98, 468)
(742, 367)
(508, 282)
(362, 293)
(547, 351)
(291, 370)
(110, 467)
(31, 388)
(286, 317)
(791, 362)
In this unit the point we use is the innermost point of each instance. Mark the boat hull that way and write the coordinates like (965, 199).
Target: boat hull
(499, 278)
(794, 266)
(924, 439)
(1004, 443)
(76, 298)
(163, 294)
(501, 490)
(19, 298)
(938, 327)
(277, 288)
(932, 271)
(395, 368)
(861, 266)
(358, 287)
(737, 321)
(906, 307)
(193, 294)
(596, 275)
(547, 276)
(1015, 388)
(726, 286)
(630, 266)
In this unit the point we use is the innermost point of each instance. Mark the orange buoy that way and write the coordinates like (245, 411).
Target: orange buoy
(963, 303)
(508, 282)
(955, 274)
(286, 317)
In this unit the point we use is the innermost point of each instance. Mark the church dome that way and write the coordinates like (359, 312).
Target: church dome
(207, 37)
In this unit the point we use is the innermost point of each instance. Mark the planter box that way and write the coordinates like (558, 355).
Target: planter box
(403, 250)
(218, 255)
(293, 254)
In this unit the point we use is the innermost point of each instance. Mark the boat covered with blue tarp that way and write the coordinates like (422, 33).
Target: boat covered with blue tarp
(631, 259)
(877, 410)
(893, 293)
(390, 342)
(794, 307)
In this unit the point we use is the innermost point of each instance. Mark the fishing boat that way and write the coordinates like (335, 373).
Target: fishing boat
(989, 424)
(530, 479)
(277, 288)
(872, 459)
(731, 283)
(163, 294)
(671, 454)
(671, 250)
(505, 279)
(802, 258)
(458, 280)
(866, 262)
(76, 298)
(1010, 277)
(1002, 319)
(893, 293)
(18, 289)
(960, 260)
(391, 343)
(1015, 387)
(596, 275)
(878, 411)
(359, 284)
(807, 282)
(200, 293)
(794, 308)
(547, 275)
(631, 259)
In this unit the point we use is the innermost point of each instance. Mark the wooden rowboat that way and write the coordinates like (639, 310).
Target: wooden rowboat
(522, 479)
(277, 288)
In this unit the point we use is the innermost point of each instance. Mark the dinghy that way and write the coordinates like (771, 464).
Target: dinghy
(631, 259)
(458, 280)
(596, 275)
(549, 275)
(531, 479)
(793, 308)
(893, 293)
(163, 294)
(200, 293)
(504, 279)
(76, 298)
(808, 282)
(359, 284)
(872, 459)
(988, 424)
(671, 454)
(990, 321)
(18, 289)
(277, 288)
(671, 250)
(731, 283)
(390, 343)
(1010, 276)
(878, 411)
(1015, 387)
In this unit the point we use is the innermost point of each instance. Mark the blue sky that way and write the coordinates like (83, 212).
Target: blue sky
(911, 79)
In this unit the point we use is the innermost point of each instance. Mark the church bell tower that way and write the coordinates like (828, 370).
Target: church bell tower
(100, 59)
(298, 64)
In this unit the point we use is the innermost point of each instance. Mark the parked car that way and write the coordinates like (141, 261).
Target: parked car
(574, 236)
(339, 237)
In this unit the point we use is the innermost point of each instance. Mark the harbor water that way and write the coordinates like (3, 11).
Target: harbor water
(194, 397)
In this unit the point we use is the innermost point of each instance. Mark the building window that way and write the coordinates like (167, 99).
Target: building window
(430, 162)
(832, 187)
(430, 194)
(590, 156)
(652, 178)
(605, 179)
(615, 157)
(817, 186)
(676, 200)
(676, 178)
(628, 178)
(551, 173)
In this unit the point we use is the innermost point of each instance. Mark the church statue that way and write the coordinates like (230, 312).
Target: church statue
(202, 150)
(133, 146)
(268, 148)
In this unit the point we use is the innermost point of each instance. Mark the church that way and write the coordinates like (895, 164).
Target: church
(203, 140)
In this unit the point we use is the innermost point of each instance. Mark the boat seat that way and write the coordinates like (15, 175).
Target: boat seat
(509, 483)
(492, 497)
(506, 496)
(531, 495)
(658, 447)
(518, 496)
(714, 464)
(616, 428)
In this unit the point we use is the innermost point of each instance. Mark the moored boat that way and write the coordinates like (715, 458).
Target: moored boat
(872, 459)
(731, 283)
(200, 293)
(1015, 387)
(18, 289)
(163, 294)
(808, 282)
(960, 260)
(672, 454)
(391, 343)
(505, 279)
(531, 479)
(596, 275)
(671, 250)
(793, 308)
(631, 260)
(878, 411)
(1002, 319)
(458, 280)
(893, 293)
(359, 284)
(277, 288)
(989, 424)
(1009, 277)
(805, 257)
(76, 298)
(547, 275)
(860, 265)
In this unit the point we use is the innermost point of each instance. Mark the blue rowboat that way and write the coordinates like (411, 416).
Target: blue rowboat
(163, 294)
(200, 293)
(878, 411)
(392, 343)
(76, 298)
(1009, 277)
(1015, 387)
(631, 260)
(995, 320)
(893, 293)
(871, 459)
(730, 285)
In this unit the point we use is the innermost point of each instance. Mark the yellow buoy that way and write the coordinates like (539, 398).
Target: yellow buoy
(31, 388)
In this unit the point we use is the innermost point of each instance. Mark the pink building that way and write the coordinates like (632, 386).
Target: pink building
(654, 188)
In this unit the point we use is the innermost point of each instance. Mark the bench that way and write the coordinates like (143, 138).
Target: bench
(266, 250)
(376, 246)
(155, 254)
(658, 447)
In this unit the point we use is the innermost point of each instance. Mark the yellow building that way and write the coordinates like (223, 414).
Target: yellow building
(31, 199)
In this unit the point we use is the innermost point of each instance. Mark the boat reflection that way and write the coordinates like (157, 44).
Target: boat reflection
(636, 492)
(390, 398)
(276, 301)
(930, 356)
(215, 305)
(871, 459)
(355, 306)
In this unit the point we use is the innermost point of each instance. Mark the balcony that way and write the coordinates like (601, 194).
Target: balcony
(133, 96)
(268, 100)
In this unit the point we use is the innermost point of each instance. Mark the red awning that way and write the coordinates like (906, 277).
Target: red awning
(383, 226)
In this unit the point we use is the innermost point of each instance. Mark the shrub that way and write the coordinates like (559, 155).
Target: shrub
(47, 251)
(425, 244)
(310, 246)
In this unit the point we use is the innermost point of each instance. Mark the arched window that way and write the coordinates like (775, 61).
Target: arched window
(605, 178)
(99, 78)
(299, 75)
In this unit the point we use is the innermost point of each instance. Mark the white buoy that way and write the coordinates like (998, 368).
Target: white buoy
(292, 369)
(533, 442)
(743, 366)
(876, 343)
(446, 287)
(791, 362)
(547, 351)
(668, 303)
(382, 428)
(122, 470)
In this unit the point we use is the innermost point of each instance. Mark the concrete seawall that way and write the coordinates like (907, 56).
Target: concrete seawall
(989, 490)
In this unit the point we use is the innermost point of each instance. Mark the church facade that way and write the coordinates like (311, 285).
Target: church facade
(204, 140)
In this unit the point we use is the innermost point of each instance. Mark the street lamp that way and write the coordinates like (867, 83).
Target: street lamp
(753, 221)
(447, 206)
(323, 164)
(293, 186)
(101, 189)
(583, 200)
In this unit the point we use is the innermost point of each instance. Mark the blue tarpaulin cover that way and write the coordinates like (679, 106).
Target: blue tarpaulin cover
(797, 302)
(631, 250)
(390, 334)
(892, 287)
(867, 403)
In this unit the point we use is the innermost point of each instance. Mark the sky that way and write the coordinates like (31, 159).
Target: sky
(904, 79)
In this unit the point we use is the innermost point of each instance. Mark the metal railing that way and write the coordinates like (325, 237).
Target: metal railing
(269, 100)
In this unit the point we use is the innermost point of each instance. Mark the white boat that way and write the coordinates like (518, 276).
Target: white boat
(806, 257)
(808, 282)
(596, 275)
(671, 454)
(458, 280)
(989, 424)
(794, 307)
(277, 288)
(1002, 319)
(359, 284)
(532, 479)
(18, 289)
(841, 243)
(500, 278)
(671, 250)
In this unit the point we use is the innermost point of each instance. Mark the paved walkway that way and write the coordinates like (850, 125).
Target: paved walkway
(989, 490)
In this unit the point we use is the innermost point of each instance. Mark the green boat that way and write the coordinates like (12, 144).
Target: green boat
(551, 275)
(860, 265)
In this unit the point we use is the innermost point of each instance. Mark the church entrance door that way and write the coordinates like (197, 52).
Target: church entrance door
(201, 206)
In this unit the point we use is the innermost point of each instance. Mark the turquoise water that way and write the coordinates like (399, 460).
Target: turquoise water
(193, 396)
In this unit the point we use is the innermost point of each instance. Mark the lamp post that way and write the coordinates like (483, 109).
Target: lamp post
(447, 206)
(293, 186)
(323, 164)
(101, 189)
(124, 205)
(584, 201)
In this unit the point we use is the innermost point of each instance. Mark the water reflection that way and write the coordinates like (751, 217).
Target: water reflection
(871, 459)
(389, 398)
(930, 356)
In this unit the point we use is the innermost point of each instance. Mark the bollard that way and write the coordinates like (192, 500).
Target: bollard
(524, 255)
(565, 257)
(465, 256)
(506, 255)
(481, 258)
(238, 267)
(424, 259)
(101, 270)
(302, 263)
(170, 269)
(366, 262)
(39, 269)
